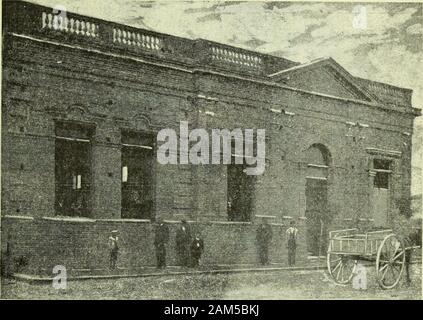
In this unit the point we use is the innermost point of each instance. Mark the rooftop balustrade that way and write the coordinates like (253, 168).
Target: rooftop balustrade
(66, 27)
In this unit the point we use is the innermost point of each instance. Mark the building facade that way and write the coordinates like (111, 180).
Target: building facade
(83, 100)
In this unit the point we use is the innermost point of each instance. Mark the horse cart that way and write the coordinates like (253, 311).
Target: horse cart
(383, 247)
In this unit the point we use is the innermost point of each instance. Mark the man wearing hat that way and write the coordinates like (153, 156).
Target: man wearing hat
(183, 241)
(114, 249)
(263, 238)
(161, 238)
(291, 242)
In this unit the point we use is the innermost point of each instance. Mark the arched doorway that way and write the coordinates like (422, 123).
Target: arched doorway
(318, 159)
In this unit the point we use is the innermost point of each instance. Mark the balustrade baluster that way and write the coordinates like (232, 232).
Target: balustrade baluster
(88, 29)
(83, 28)
(65, 24)
(128, 38)
(43, 20)
(49, 20)
(71, 26)
(54, 24)
(115, 35)
(77, 26)
(61, 22)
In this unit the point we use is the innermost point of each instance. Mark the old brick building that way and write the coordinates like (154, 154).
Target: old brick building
(83, 100)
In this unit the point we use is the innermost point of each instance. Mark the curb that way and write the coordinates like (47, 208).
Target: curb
(38, 279)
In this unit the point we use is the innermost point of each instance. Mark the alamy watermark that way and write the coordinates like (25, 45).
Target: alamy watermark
(60, 278)
(194, 147)
(359, 281)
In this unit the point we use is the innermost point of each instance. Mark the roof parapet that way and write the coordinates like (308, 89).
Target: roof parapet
(66, 27)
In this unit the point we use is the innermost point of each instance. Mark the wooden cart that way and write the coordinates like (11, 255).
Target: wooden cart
(386, 249)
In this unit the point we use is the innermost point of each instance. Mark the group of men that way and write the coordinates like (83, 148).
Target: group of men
(188, 249)
(264, 237)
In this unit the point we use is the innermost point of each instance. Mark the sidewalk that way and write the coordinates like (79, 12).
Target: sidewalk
(87, 274)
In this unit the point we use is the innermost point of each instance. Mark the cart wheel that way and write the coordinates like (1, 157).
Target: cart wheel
(390, 261)
(341, 267)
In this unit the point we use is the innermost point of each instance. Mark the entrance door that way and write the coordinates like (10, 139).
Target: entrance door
(239, 193)
(316, 209)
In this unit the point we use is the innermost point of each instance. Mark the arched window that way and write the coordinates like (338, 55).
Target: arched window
(317, 154)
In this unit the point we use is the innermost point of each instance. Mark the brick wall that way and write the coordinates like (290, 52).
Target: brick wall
(82, 244)
(113, 94)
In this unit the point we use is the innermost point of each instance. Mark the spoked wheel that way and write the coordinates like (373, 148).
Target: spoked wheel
(390, 262)
(341, 267)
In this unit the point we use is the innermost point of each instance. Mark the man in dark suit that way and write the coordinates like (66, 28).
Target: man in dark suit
(114, 249)
(197, 248)
(183, 241)
(263, 236)
(412, 240)
(161, 238)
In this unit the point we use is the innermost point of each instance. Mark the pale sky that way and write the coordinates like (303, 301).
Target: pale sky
(388, 50)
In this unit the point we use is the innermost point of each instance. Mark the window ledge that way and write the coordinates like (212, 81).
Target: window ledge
(125, 220)
(231, 222)
(69, 219)
(312, 165)
(18, 217)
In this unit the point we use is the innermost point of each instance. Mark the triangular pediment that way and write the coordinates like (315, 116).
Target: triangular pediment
(324, 76)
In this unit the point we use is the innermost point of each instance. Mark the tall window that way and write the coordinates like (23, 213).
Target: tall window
(73, 169)
(137, 175)
(383, 170)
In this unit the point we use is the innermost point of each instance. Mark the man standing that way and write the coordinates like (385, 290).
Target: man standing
(413, 239)
(263, 237)
(114, 249)
(291, 242)
(197, 248)
(183, 241)
(161, 238)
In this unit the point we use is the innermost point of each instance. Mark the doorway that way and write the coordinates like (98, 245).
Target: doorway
(318, 159)
(240, 193)
(316, 211)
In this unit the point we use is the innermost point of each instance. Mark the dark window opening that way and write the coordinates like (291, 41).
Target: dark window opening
(240, 188)
(382, 168)
(137, 175)
(73, 169)
(381, 180)
(381, 164)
